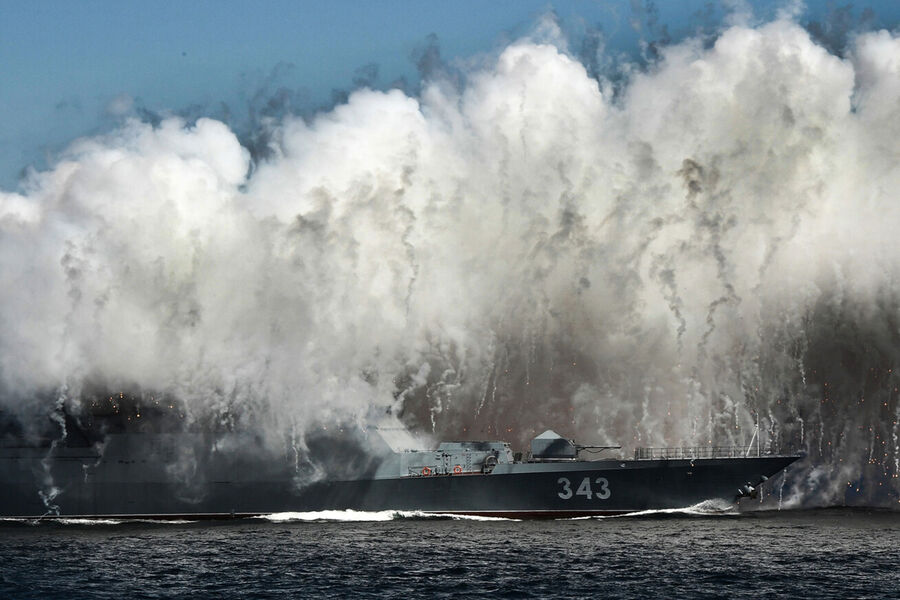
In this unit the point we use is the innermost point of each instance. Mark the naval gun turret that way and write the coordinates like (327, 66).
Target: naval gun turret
(552, 447)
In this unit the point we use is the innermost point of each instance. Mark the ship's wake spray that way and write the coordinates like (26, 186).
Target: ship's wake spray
(669, 259)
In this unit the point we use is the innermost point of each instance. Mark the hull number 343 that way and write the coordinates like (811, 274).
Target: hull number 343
(600, 489)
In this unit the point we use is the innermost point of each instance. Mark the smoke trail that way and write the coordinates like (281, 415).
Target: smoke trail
(712, 245)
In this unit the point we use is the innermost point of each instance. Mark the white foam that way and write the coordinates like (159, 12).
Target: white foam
(363, 516)
(330, 515)
(705, 508)
(81, 521)
(63, 521)
(456, 517)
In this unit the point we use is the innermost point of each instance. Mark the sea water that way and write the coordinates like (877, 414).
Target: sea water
(833, 553)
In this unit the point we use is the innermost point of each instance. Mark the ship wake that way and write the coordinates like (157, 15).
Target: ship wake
(707, 508)
(354, 516)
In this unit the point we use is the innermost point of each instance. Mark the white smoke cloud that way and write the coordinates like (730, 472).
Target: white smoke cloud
(658, 267)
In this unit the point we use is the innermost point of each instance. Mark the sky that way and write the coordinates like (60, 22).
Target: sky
(70, 69)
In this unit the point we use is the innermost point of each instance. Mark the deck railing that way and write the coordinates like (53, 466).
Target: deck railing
(687, 452)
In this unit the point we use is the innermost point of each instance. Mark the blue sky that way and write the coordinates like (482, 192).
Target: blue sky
(62, 62)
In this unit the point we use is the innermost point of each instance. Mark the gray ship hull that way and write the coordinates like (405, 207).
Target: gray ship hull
(127, 480)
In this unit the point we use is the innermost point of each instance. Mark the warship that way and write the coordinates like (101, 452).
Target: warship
(150, 473)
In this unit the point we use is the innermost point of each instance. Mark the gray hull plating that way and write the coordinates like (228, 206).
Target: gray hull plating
(127, 480)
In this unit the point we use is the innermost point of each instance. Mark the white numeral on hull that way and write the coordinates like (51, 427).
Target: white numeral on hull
(601, 492)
